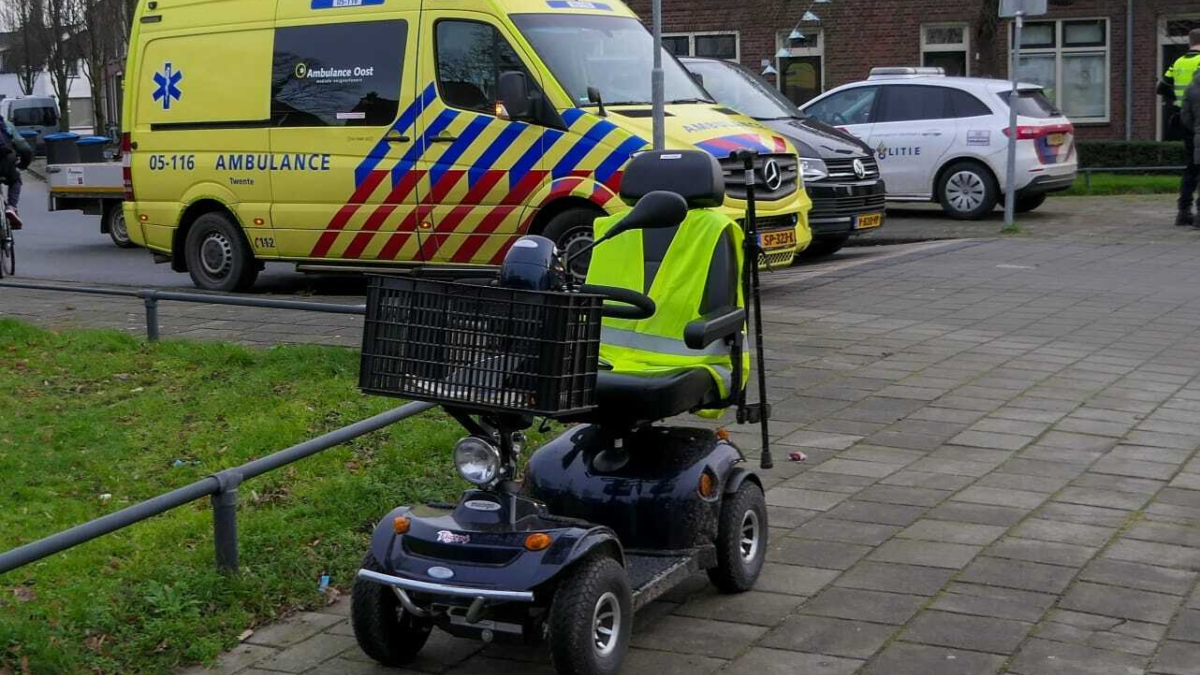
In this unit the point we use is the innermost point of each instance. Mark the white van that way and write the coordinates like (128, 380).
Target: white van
(32, 113)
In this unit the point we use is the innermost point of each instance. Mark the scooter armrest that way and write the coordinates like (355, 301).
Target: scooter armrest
(713, 326)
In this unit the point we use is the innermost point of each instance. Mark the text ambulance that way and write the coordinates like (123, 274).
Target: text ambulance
(365, 133)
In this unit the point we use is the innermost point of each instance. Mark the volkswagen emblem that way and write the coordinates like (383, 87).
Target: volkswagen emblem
(860, 169)
(772, 176)
(440, 572)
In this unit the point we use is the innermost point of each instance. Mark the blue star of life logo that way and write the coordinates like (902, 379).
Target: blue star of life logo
(167, 82)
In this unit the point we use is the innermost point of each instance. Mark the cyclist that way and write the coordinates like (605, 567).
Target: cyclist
(15, 157)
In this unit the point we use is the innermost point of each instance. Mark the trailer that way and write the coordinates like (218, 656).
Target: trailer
(96, 189)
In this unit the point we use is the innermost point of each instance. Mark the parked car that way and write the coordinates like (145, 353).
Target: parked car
(840, 172)
(946, 138)
(38, 114)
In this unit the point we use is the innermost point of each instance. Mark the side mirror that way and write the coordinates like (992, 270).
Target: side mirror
(513, 90)
(658, 209)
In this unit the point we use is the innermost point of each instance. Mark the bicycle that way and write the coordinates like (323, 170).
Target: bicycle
(8, 247)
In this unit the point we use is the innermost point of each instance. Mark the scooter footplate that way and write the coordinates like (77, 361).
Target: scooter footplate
(652, 576)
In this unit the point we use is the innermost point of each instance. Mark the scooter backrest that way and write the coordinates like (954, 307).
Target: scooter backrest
(694, 174)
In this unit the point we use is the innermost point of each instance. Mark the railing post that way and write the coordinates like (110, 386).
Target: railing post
(151, 300)
(225, 536)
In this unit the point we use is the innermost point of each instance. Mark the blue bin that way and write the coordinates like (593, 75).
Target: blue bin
(61, 148)
(91, 148)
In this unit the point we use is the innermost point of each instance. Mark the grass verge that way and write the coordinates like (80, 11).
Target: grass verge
(94, 421)
(1104, 184)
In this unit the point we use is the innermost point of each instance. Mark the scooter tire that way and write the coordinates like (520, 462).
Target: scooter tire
(584, 606)
(741, 540)
(384, 631)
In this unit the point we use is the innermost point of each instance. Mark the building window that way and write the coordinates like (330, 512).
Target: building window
(947, 46)
(801, 66)
(715, 45)
(1070, 59)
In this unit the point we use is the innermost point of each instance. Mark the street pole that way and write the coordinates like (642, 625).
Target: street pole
(1010, 195)
(656, 79)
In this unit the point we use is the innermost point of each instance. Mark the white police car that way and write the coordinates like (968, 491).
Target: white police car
(946, 138)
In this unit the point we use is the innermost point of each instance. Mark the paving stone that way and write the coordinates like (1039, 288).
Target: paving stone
(980, 514)
(687, 635)
(652, 662)
(1012, 427)
(235, 660)
(292, 630)
(983, 634)
(830, 529)
(895, 578)
(851, 603)
(953, 467)
(1160, 440)
(814, 553)
(1187, 481)
(1125, 603)
(1035, 467)
(1064, 532)
(1153, 553)
(754, 607)
(985, 439)
(1084, 514)
(1102, 497)
(1186, 626)
(1118, 483)
(1149, 454)
(1061, 439)
(953, 533)
(1177, 658)
(929, 554)
(874, 512)
(483, 664)
(1139, 575)
(1000, 497)
(909, 659)
(909, 496)
(1046, 657)
(816, 439)
(762, 661)
(804, 499)
(994, 601)
(1049, 453)
(1100, 639)
(824, 635)
(1171, 495)
(962, 453)
(1049, 552)
(785, 518)
(1135, 468)
(1094, 427)
(1018, 574)
(304, 655)
(874, 453)
(345, 666)
(933, 481)
(856, 468)
(793, 579)
(1014, 481)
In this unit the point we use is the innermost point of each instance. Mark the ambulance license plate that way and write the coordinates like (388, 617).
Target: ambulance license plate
(868, 220)
(1056, 140)
(770, 241)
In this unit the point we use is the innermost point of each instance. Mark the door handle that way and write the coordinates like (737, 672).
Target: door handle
(443, 138)
(396, 137)
(932, 133)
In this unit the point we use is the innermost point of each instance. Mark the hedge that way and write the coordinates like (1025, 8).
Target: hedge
(1132, 154)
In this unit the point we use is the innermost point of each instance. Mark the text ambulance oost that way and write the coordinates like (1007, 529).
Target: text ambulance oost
(360, 133)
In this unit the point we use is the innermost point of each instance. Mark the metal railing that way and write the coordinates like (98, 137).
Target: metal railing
(151, 297)
(1088, 171)
(221, 487)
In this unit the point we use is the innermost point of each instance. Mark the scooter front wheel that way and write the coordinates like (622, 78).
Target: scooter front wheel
(591, 619)
(384, 631)
(741, 540)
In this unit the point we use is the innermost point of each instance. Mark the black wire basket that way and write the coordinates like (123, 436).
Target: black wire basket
(481, 348)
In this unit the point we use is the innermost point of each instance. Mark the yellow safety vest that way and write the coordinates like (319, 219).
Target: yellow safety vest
(1182, 72)
(656, 343)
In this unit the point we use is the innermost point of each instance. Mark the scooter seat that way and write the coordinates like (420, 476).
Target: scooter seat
(632, 397)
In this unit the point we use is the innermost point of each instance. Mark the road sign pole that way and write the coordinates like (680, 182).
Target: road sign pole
(1010, 195)
(656, 79)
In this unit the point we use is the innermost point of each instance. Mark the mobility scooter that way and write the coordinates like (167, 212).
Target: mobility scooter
(617, 509)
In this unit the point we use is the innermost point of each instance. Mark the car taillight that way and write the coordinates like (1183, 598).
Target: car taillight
(127, 165)
(1029, 133)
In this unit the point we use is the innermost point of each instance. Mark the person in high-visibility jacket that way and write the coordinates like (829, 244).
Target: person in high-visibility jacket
(1172, 88)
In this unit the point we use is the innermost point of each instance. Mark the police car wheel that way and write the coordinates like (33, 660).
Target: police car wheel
(384, 631)
(967, 191)
(570, 231)
(114, 222)
(1027, 203)
(218, 257)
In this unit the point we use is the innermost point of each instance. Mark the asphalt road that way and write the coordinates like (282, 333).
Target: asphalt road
(68, 246)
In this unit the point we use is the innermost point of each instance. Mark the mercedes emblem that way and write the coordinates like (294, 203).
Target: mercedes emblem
(772, 176)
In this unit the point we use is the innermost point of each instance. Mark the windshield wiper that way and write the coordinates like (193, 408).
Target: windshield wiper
(678, 101)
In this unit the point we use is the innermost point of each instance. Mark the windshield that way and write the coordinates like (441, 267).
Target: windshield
(613, 54)
(34, 117)
(738, 88)
(1032, 103)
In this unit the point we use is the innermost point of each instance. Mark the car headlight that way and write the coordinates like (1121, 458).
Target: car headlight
(813, 169)
(477, 461)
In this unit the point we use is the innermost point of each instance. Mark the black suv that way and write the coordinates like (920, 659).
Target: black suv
(840, 172)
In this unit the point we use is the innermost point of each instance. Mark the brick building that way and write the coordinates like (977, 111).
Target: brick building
(1078, 51)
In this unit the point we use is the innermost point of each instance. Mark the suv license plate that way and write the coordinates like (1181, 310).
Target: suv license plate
(868, 220)
(770, 241)
(1056, 140)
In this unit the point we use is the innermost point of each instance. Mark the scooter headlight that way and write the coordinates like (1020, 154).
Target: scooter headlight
(813, 169)
(477, 461)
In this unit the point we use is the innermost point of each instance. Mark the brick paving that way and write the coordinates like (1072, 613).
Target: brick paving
(1001, 478)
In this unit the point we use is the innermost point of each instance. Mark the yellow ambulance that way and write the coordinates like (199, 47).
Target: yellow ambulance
(355, 134)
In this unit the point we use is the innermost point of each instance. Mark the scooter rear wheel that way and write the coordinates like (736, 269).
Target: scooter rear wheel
(591, 619)
(383, 629)
(741, 540)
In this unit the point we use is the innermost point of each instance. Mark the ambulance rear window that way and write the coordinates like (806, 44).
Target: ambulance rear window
(345, 74)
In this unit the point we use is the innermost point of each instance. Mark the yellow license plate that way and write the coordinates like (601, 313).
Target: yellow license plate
(775, 240)
(1056, 139)
(868, 220)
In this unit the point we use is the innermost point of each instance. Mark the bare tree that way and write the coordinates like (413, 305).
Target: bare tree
(103, 32)
(60, 28)
(26, 54)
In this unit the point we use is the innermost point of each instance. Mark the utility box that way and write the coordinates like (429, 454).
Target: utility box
(1009, 8)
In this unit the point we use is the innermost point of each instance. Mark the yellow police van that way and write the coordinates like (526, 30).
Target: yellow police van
(355, 134)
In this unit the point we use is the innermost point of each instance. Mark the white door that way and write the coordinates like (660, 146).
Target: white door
(914, 128)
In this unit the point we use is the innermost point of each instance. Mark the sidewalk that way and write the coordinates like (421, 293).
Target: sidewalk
(1001, 477)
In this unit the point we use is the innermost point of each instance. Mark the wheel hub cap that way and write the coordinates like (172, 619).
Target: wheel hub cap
(572, 243)
(606, 624)
(750, 536)
(965, 191)
(216, 254)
